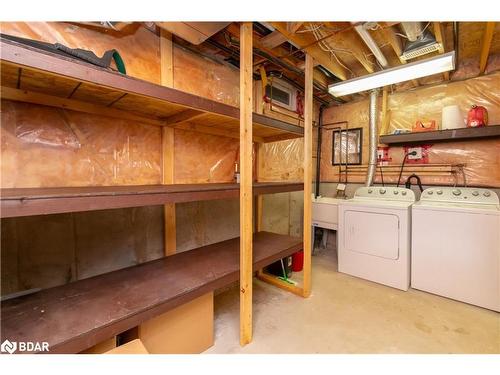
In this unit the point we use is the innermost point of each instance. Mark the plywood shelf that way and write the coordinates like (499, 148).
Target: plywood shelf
(36, 76)
(76, 316)
(42, 201)
(463, 134)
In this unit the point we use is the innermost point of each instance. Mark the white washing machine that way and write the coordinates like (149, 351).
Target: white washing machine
(374, 235)
(456, 245)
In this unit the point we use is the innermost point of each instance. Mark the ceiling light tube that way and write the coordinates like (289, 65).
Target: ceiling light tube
(423, 68)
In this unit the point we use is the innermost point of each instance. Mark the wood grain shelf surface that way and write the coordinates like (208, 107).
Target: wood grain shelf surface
(42, 201)
(32, 75)
(451, 135)
(78, 315)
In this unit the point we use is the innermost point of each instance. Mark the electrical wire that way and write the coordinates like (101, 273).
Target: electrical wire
(403, 165)
(381, 175)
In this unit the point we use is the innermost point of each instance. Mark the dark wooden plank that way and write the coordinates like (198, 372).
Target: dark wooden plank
(43, 201)
(442, 135)
(78, 315)
(39, 62)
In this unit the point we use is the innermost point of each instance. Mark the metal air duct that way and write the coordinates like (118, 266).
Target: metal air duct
(372, 164)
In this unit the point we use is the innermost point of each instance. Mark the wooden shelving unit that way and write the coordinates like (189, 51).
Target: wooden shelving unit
(78, 315)
(43, 201)
(75, 316)
(463, 134)
(36, 76)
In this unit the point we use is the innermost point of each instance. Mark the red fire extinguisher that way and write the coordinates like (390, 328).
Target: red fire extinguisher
(478, 116)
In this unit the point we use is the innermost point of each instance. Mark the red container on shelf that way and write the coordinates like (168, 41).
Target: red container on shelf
(298, 261)
(477, 116)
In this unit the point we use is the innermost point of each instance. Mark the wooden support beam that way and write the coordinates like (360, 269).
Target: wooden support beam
(168, 144)
(74, 105)
(308, 121)
(246, 197)
(184, 116)
(272, 40)
(324, 58)
(485, 46)
(293, 27)
(385, 113)
(351, 41)
(200, 128)
(439, 34)
(273, 280)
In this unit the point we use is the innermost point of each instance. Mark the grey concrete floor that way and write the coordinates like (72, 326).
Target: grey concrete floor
(345, 314)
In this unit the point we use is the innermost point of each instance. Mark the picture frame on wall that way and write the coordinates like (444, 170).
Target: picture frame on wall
(347, 146)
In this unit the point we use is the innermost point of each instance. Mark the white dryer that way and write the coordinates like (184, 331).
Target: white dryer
(456, 245)
(374, 235)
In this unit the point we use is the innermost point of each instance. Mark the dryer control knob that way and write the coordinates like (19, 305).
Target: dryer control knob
(382, 191)
(439, 192)
(486, 194)
(396, 192)
(403, 192)
(456, 192)
(430, 192)
(370, 191)
(475, 193)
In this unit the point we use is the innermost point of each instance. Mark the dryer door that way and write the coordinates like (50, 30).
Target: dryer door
(372, 233)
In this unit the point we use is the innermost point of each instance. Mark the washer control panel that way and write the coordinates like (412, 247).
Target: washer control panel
(385, 193)
(462, 195)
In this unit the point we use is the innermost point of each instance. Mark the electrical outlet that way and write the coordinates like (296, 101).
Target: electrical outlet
(417, 151)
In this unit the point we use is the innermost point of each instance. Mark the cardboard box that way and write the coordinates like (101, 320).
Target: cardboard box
(102, 347)
(132, 347)
(187, 329)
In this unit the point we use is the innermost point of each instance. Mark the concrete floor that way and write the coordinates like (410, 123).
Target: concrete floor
(349, 315)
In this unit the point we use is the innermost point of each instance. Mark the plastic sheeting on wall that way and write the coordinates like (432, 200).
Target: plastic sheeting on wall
(282, 161)
(427, 103)
(201, 158)
(45, 147)
(481, 157)
(139, 49)
(203, 77)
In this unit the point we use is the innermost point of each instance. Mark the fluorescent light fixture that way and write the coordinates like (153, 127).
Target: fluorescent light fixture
(418, 69)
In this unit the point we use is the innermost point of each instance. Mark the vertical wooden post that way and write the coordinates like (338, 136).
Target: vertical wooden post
(167, 143)
(246, 225)
(308, 118)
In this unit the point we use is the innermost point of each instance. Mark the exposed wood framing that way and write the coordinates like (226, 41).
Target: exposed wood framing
(246, 151)
(167, 135)
(185, 116)
(273, 280)
(439, 34)
(293, 27)
(486, 45)
(351, 41)
(385, 112)
(315, 51)
(74, 105)
(308, 122)
(273, 40)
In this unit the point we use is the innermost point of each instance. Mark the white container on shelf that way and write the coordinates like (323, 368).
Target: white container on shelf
(452, 118)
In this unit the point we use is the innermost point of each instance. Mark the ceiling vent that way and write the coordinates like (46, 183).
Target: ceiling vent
(425, 44)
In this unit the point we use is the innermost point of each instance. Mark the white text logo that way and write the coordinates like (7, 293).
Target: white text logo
(24, 346)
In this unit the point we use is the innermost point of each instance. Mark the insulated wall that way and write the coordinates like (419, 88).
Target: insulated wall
(481, 158)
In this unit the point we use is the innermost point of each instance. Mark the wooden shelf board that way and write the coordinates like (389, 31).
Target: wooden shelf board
(40, 77)
(41, 201)
(462, 134)
(78, 315)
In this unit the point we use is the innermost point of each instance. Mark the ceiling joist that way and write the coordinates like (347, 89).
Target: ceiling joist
(304, 39)
(485, 46)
